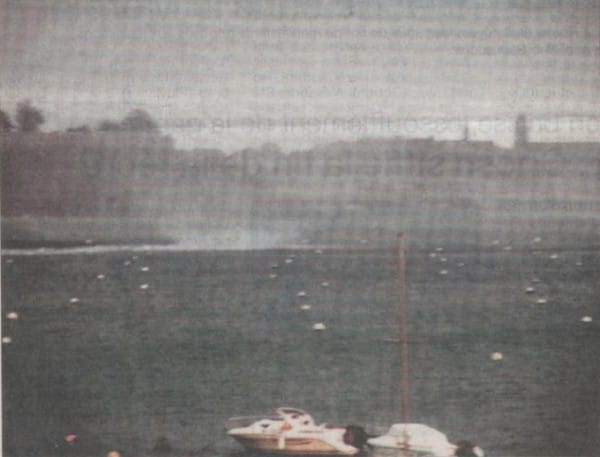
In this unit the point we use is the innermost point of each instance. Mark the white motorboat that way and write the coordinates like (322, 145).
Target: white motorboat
(408, 439)
(294, 431)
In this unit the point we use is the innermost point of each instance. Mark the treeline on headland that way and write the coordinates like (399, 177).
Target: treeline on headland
(131, 183)
(29, 119)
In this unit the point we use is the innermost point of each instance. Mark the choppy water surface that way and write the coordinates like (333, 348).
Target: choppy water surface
(172, 343)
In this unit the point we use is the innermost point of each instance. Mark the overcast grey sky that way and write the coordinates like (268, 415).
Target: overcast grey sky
(189, 62)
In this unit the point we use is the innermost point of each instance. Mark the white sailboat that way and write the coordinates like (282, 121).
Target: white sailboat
(406, 439)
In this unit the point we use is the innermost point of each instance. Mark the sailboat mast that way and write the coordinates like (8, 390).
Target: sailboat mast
(403, 313)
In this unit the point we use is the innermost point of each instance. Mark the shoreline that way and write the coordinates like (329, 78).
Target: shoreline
(67, 248)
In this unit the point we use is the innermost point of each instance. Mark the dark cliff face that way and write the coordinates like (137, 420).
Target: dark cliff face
(135, 185)
(73, 174)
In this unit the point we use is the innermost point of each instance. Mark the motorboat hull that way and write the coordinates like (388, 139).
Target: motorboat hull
(294, 432)
(289, 445)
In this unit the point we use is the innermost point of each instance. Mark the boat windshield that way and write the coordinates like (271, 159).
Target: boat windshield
(291, 411)
(246, 421)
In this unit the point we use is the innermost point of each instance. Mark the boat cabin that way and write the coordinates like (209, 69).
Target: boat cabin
(296, 418)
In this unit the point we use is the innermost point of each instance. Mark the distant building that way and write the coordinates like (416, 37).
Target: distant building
(522, 142)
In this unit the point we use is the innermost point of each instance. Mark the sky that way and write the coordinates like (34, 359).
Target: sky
(232, 73)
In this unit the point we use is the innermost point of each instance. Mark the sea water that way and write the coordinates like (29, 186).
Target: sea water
(168, 343)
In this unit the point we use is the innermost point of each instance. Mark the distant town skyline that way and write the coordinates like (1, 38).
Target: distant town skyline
(233, 74)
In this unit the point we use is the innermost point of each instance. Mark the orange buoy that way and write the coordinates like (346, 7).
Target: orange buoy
(71, 438)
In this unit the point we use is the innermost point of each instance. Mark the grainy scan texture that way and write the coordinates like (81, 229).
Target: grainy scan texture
(200, 210)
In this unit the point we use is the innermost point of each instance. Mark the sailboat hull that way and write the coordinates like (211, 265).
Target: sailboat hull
(400, 452)
(411, 440)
